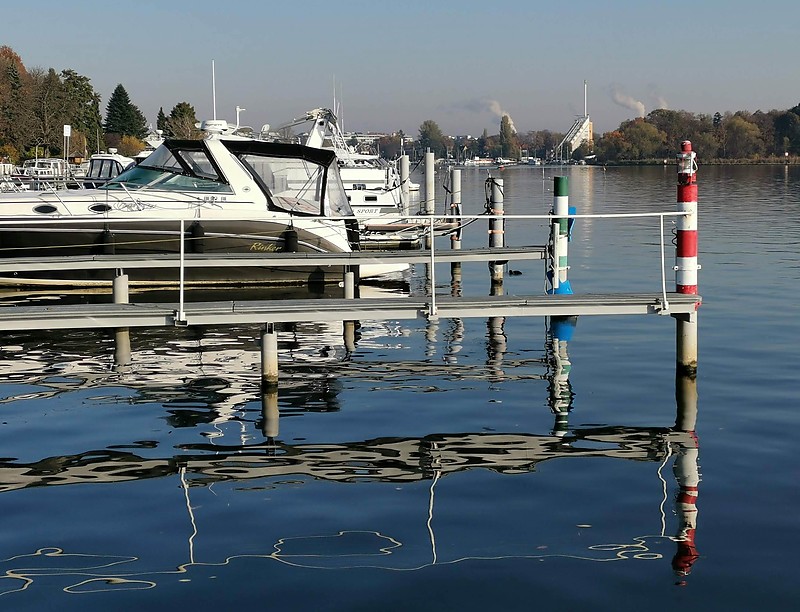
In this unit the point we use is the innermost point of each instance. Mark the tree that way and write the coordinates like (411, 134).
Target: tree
(645, 140)
(16, 112)
(161, 120)
(743, 138)
(508, 138)
(431, 137)
(123, 117)
(83, 110)
(49, 109)
(181, 122)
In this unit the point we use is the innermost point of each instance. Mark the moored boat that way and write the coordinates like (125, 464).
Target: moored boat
(229, 194)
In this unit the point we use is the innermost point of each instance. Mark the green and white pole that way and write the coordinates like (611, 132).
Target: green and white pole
(557, 275)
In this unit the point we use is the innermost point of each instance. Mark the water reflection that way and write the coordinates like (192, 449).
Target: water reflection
(216, 383)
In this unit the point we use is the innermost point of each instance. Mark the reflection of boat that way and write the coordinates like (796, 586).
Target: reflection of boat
(234, 195)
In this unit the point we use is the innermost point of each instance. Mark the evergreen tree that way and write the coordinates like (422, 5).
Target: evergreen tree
(123, 117)
(161, 120)
(83, 111)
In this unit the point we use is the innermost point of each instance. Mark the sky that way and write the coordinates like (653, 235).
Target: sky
(392, 64)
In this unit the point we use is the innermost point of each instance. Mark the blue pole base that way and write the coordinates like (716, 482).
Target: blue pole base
(564, 289)
(562, 328)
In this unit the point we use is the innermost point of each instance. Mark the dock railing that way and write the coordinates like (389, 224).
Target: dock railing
(427, 223)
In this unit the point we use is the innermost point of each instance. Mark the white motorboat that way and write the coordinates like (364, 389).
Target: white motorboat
(372, 183)
(230, 194)
(102, 167)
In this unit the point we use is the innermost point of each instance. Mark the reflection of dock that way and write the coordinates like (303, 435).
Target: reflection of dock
(384, 459)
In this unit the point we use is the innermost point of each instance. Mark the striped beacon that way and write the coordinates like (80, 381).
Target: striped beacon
(686, 253)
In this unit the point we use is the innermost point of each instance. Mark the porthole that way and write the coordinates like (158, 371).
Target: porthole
(45, 209)
(100, 208)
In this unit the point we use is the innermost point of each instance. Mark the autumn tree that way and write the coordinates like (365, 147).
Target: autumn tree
(181, 122)
(16, 114)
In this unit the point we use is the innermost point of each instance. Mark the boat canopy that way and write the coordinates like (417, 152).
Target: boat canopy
(293, 178)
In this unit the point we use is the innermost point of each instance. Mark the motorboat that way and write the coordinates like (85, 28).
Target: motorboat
(221, 194)
(102, 167)
(373, 186)
(372, 183)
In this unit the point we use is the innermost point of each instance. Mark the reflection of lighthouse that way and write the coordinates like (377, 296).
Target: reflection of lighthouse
(560, 389)
(687, 475)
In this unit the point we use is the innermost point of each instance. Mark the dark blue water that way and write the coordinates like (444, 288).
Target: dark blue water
(457, 464)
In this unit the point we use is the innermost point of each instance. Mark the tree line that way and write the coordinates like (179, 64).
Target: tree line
(36, 104)
(742, 135)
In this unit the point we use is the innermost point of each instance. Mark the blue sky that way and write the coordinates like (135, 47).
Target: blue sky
(397, 63)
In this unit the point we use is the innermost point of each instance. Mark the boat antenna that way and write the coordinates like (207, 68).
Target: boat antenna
(213, 91)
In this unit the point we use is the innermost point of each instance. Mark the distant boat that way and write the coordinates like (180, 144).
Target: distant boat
(102, 167)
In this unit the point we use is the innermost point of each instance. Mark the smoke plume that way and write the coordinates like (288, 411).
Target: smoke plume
(492, 106)
(658, 100)
(627, 101)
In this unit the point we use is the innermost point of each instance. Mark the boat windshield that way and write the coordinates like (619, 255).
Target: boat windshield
(174, 170)
(295, 185)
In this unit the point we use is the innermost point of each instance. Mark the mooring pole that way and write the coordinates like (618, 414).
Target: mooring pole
(559, 263)
(496, 227)
(119, 288)
(686, 258)
(269, 356)
(404, 178)
(455, 237)
(430, 191)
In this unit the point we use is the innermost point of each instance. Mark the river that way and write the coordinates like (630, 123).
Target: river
(451, 465)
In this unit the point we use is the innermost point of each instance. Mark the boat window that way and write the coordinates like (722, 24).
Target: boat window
(200, 164)
(141, 177)
(296, 185)
(162, 158)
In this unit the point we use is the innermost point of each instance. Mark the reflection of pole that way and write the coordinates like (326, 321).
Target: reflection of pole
(561, 395)
(122, 347)
(455, 337)
(270, 413)
(496, 347)
(686, 473)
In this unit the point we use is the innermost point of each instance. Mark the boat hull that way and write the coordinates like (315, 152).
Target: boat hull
(164, 238)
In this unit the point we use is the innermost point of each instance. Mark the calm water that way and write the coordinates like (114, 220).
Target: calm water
(427, 467)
